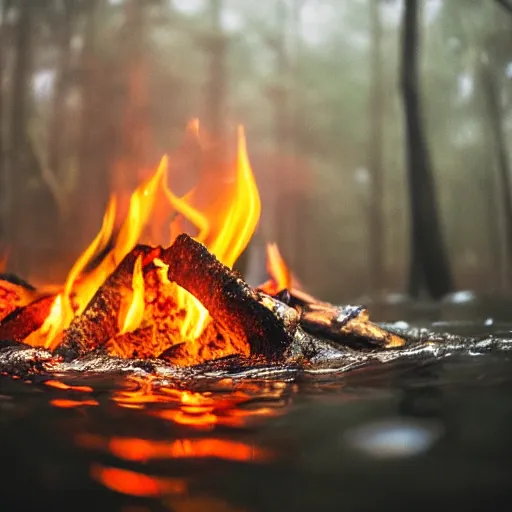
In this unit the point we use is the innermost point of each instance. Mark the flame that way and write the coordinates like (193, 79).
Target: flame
(281, 278)
(277, 268)
(222, 211)
(132, 318)
(224, 226)
(142, 202)
(62, 311)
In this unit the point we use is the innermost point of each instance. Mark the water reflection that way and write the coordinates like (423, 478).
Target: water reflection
(136, 484)
(65, 403)
(145, 450)
(136, 443)
(394, 437)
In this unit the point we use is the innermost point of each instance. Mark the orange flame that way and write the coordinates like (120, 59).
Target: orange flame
(130, 319)
(277, 268)
(225, 226)
(223, 208)
(62, 311)
(141, 205)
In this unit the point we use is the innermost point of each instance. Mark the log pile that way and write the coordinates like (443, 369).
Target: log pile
(245, 322)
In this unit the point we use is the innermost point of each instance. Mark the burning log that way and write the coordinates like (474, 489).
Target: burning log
(183, 303)
(99, 321)
(14, 293)
(239, 312)
(232, 303)
(23, 321)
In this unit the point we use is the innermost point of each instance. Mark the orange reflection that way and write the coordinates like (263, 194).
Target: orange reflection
(70, 404)
(142, 450)
(136, 484)
(204, 411)
(57, 384)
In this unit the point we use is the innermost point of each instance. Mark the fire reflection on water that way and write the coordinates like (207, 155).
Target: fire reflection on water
(201, 418)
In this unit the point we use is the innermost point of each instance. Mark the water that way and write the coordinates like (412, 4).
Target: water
(399, 436)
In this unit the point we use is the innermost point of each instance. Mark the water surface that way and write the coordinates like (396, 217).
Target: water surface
(400, 436)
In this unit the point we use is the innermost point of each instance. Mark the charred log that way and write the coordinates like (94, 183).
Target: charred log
(240, 312)
(236, 307)
(23, 321)
(99, 321)
(346, 325)
(14, 293)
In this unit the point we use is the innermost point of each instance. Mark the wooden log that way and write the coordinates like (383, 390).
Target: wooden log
(239, 312)
(232, 303)
(24, 320)
(99, 321)
(14, 293)
(348, 325)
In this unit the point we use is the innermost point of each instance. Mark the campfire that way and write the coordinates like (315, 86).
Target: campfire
(183, 304)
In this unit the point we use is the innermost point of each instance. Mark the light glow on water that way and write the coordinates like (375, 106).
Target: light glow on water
(394, 437)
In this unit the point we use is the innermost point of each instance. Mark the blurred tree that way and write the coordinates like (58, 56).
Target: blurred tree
(95, 144)
(5, 182)
(429, 265)
(20, 161)
(217, 89)
(376, 246)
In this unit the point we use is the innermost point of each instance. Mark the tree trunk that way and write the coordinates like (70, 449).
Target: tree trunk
(56, 141)
(18, 166)
(300, 203)
(5, 185)
(217, 87)
(494, 117)
(95, 143)
(282, 112)
(133, 158)
(429, 258)
(376, 246)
